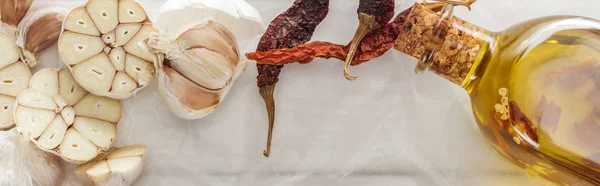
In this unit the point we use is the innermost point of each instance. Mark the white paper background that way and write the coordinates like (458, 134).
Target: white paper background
(389, 127)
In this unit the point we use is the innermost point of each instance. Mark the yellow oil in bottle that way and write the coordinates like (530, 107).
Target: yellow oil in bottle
(535, 93)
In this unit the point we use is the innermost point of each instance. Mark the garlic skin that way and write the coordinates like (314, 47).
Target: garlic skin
(64, 119)
(103, 43)
(23, 164)
(12, 12)
(199, 68)
(39, 30)
(14, 77)
(116, 167)
(238, 16)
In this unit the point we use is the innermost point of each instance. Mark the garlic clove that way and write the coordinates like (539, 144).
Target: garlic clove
(126, 31)
(104, 13)
(140, 70)
(69, 90)
(45, 81)
(54, 134)
(75, 48)
(123, 83)
(188, 96)
(36, 99)
(215, 38)
(33, 120)
(99, 132)
(39, 30)
(110, 38)
(14, 78)
(6, 111)
(97, 107)
(90, 121)
(216, 64)
(68, 114)
(119, 167)
(12, 12)
(76, 147)
(9, 50)
(80, 22)
(95, 74)
(133, 46)
(131, 12)
(117, 58)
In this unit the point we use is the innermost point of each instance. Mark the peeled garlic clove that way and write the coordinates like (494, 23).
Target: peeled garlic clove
(123, 83)
(12, 12)
(75, 48)
(122, 166)
(104, 13)
(39, 30)
(79, 21)
(125, 32)
(122, 28)
(14, 77)
(240, 18)
(96, 73)
(23, 164)
(86, 126)
(131, 12)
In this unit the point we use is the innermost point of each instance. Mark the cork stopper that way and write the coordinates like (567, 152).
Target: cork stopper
(459, 47)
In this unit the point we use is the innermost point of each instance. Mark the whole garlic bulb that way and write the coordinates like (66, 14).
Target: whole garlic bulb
(23, 164)
(199, 68)
(39, 30)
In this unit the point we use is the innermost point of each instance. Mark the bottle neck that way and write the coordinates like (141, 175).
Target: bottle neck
(450, 49)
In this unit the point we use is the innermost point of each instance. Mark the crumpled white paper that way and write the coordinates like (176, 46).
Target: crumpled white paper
(389, 127)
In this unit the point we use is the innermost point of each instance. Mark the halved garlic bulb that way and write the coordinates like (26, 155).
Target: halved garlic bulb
(63, 118)
(103, 43)
(14, 77)
(39, 30)
(117, 166)
(12, 12)
(199, 68)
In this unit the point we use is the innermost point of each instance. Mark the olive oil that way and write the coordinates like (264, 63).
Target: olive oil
(535, 92)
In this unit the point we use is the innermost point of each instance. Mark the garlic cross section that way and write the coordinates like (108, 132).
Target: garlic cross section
(64, 119)
(14, 77)
(103, 43)
(117, 166)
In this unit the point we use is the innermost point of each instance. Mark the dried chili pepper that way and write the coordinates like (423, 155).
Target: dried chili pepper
(372, 14)
(569, 78)
(293, 27)
(373, 45)
(522, 123)
(548, 114)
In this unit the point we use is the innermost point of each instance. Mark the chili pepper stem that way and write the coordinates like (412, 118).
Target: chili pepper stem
(266, 93)
(438, 5)
(367, 23)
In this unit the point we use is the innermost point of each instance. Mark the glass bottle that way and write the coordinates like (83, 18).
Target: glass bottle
(534, 87)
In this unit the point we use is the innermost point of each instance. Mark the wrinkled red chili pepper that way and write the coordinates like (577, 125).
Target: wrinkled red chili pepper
(569, 78)
(293, 27)
(373, 45)
(522, 122)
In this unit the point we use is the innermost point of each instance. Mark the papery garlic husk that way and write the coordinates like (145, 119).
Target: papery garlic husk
(200, 66)
(64, 119)
(103, 43)
(14, 77)
(12, 12)
(39, 30)
(116, 167)
(23, 164)
(238, 16)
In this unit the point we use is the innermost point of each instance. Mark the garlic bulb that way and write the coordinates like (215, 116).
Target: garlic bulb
(12, 12)
(23, 164)
(116, 167)
(63, 118)
(199, 68)
(199, 41)
(103, 45)
(39, 30)
(14, 77)
(238, 16)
